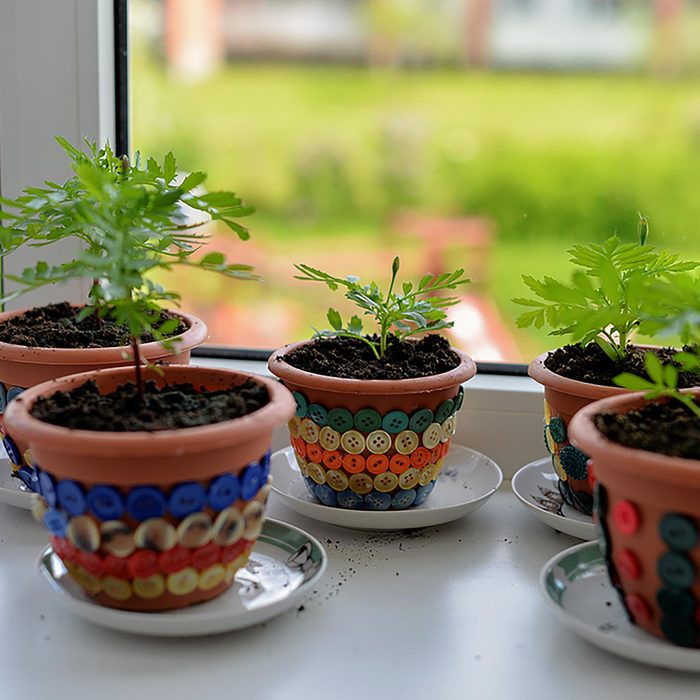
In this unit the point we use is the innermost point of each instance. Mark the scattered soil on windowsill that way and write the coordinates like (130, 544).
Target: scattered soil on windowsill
(591, 365)
(351, 358)
(666, 428)
(56, 326)
(174, 406)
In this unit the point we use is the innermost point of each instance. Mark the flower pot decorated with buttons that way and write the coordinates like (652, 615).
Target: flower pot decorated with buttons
(372, 444)
(22, 366)
(563, 397)
(647, 511)
(153, 520)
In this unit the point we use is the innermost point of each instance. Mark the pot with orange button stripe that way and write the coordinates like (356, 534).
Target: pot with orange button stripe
(647, 512)
(153, 520)
(372, 444)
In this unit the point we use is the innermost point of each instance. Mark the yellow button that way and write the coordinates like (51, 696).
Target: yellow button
(360, 483)
(337, 480)
(182, 582)
(316, 472)
(39, 508)
(195, 530)
(84, 533)
(238, 563)
(116, 588)
(254, 520)
(90, 583)
(155, 533)
(353, 442)
(432, 435)
(426, 474)
(117, 538)
(558, 468)
(264, 492)
(294, 426)
(438, 467)
(409, 478)
(406, 442)
(386, 481)
(448, 429)
(303, 467)
(149, 587)
(329, 438)
(547, 412)
(228, 527)
(378, 442)
(309, 431)
(211, 577)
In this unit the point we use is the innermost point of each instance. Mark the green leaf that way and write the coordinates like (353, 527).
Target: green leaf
(633, 382)
(169, 167)
(654, 368)
(214, 258)
(334, 319)
(192, 180)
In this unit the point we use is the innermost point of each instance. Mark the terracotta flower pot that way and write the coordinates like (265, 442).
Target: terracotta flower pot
(153, 520)
(22, 367)
(647, 509)
(372, 444)
(563, 397)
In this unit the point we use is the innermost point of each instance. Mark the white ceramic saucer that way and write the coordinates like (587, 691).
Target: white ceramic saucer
(12, 492)
(576, 586)
(467, 480)
(535, 485)
(283, 565)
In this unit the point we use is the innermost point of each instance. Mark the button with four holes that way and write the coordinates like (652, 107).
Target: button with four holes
(406, 442)
(294, 427)
(361, 483)
(317, 414)
(676, 570)
(332, 459)
(337, 480)
(626, 517)
(678, 532)
(376, 464)
(378, 442)
(394, 422)
(352, 442)
(432, 435)
(223, 491)
(145, 502)
(309, 430)
(444, 410)
(354, 464)
(386, 482)
(340, 419)
(71, 497)
(186, 498)
(399, 463)
(302, 403)
(403, 499)
(316, 472)
(377, 501)
(367, 420)
(409, 479)
(420, 420)
(329, 438)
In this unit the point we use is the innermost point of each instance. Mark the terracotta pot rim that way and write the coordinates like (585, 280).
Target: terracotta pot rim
(143, 443)
(417, 385)
(638, 463)
(195, 335)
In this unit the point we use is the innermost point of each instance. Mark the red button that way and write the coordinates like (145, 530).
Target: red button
(641, 612)
(627, 562)
(92, 563)
(143, 563)
(228, 554)
(117, 567)
(376, 464)
(400, 463)
(332, 459)
(174, 559)
(626, 517)
(206, 556)
(436, 453)
(591, 473)
(354, 464)
(420, 457)
(314, 453)
(299, 446)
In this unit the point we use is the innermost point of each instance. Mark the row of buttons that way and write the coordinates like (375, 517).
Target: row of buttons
(373, 500)
(146, 502)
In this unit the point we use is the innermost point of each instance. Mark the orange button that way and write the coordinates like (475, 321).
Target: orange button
(377, 463)
(299, 446)
(353, 463)
(314, 453)
(420, 457)
(332, 459)
(399, 463)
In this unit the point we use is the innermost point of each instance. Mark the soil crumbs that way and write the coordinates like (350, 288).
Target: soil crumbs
(173, 406)
(352, 358)
(57, 326)
(667, 428)
(591, 365)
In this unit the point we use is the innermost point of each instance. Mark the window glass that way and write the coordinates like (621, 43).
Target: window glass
(485, 134)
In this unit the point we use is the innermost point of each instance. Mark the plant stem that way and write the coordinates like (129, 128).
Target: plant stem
(137, 366)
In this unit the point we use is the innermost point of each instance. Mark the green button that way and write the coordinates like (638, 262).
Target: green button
(459, 399)
(302, 404)
(678, 532)
(340, 419)
(318, 414)
(444, 411)
(676, 570)
(420, 420)
(675, 603)
(394, 422)
(557, 429)
(367, 420)
(574, 462)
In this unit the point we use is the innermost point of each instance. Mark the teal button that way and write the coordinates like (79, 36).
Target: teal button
(557, 429)
(318, 414)
(367, 420)
(394, 422)
(340, 419)
(302, 404)
(420, 420)
(459, 399)
(444, 411)
(676, 570)
(678, 532)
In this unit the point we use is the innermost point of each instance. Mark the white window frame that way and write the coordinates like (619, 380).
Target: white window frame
(57, 77)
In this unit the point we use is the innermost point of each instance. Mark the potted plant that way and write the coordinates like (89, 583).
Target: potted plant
(145, 199)
(600, 308)
(153, 480)
(376, 412)
(645, 452)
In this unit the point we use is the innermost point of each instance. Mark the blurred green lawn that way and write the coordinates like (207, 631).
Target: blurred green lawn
(329, 153)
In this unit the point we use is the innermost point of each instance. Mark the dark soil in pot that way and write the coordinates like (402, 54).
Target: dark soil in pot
(168, 407)
(351, 358)
(57, 326)
(667, 428)
(591, 365)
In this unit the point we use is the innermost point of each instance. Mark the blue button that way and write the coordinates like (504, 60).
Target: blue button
(311, 485)
(326, 495)
(47, 488)
(145, 502)
(375, 500)
(187, 498)
(12, 450)
(422, 492)
(265, 464)
(251, 481)
(223, 491)
(350, 499)
(56, 522)
(13, 393)
(71, 497)
(106, 502)
(3, 398)
(403, 499)
(29, 478)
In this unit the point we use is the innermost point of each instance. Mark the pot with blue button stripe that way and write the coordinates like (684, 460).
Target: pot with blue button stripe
(372, 444)
(155, 520)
